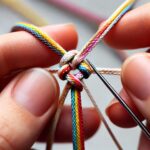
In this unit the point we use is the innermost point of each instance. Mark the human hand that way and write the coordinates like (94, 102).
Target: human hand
(29, 100)
(131, 32)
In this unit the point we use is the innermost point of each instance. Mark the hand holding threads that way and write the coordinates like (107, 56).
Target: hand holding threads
(74, 60)
(66, 66)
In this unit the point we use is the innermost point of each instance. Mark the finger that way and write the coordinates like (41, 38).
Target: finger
(144, 141)
(64, 128)
(22, 50)
(27, 104)
(132, 31)
(136, 81)
(6, 79)
(119, 116)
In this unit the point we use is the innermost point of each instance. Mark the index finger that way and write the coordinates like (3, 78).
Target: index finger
(22, 50)
(132, 31)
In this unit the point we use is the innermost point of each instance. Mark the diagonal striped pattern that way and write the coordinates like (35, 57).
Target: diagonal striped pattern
(77, 120)
(104, 29)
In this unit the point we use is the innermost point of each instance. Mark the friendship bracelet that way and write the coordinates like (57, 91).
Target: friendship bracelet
(75, 60)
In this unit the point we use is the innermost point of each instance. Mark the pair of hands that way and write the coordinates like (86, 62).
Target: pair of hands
(29, 100)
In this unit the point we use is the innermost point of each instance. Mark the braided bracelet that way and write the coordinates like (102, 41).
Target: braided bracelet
(75, 60)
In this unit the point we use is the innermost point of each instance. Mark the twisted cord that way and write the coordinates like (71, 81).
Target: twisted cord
(109, 71)
(105, 71)
(101, 116)
(41, 36)
(74, 80)
(77, 120)
(76, 61)
(103, 30)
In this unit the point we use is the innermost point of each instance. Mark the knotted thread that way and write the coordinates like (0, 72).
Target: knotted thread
(64, 73)
(74, 60)
(66, 66)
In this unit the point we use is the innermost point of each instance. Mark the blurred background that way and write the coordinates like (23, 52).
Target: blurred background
(86, 15)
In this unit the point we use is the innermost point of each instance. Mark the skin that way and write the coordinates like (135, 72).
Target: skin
(34, 54)
(132, 32)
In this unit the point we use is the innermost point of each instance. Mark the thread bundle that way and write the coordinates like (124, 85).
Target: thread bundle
(75, 60)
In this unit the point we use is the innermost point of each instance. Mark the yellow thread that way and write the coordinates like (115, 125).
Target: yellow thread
(26, 11)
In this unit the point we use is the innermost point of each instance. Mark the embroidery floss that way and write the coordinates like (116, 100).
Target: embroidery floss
(75, 60)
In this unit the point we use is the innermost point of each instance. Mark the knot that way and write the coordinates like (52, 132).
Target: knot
(68, 57)
(67, 66)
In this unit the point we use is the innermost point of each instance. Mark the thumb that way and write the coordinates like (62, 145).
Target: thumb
(27, 103)
(136, 80)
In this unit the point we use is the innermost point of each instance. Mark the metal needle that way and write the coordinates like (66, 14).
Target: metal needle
(122, 102)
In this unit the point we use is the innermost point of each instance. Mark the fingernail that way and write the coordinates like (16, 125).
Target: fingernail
(136, 76)
(35, 90)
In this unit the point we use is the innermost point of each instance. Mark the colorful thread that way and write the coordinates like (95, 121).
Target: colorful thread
(26, 11)
(103, 30)
(77, 61)
(78, 136)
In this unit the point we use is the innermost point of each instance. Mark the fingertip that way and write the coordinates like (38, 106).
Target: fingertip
(132, 31)
(28, 102)
(136, 81)
(118, 116)
(30, 52)
(92, 121)
(130, 59)
(35, 90)
(135, 75)
(65, 34)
